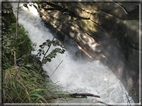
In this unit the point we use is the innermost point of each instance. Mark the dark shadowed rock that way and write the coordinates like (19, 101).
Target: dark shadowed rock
(104, 31)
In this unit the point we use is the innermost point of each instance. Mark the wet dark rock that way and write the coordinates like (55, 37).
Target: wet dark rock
(105, 31)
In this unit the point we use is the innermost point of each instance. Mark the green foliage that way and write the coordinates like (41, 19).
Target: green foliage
(133, 93)
(21, 44)
(26, 86)
(26, 82)
(47, 58)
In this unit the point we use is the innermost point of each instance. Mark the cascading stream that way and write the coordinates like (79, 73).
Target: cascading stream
(72, 75)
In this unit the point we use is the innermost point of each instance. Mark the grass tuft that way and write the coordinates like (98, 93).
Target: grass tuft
(25, 86)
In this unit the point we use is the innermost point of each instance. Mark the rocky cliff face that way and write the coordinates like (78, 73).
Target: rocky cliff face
(108, 32)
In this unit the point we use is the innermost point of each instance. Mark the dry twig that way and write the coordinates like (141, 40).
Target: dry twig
(56, 68)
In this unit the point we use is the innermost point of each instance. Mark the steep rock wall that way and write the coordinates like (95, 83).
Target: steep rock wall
(108, 32)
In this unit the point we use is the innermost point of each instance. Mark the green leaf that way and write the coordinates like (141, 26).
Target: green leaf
(44, 43)
(62, 51)
(39, 97)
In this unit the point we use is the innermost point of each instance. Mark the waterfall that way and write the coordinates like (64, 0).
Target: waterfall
(72, 75)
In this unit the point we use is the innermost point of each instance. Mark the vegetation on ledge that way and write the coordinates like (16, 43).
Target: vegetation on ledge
(23, 79)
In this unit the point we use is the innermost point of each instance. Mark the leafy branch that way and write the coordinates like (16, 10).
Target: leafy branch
(47, 57)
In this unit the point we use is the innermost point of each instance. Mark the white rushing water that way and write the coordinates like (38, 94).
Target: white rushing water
(74, 76)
